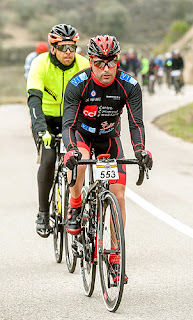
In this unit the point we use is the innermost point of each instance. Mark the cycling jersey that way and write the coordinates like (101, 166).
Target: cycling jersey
(94, 109)
(177, 63)
(46, 83)
(144, 66)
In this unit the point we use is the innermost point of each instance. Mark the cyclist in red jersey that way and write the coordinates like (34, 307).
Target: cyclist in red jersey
(93, 103)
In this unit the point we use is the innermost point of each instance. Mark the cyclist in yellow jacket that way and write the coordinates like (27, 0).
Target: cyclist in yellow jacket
(46, 83)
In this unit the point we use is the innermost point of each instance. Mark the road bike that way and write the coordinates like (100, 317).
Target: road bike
(151, 84)
(101, 240)
(176, 80)
(59, 202)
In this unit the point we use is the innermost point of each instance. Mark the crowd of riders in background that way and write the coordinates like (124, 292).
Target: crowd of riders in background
(154, 70)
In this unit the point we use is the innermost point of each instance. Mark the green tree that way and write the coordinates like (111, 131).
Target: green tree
(177, 30)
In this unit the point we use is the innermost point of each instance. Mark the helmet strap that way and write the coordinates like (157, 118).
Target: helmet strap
(90, 61)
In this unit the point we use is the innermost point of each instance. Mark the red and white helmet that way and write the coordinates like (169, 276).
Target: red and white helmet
(103, 46)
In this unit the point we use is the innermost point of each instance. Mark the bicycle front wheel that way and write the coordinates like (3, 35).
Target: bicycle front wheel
(69, 239)
(88, 234)
(56, 219)
(111, 252)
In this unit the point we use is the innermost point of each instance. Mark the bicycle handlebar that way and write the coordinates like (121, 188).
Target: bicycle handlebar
(142, 169)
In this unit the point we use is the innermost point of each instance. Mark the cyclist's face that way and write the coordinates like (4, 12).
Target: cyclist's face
(66, 58)
(104, 75)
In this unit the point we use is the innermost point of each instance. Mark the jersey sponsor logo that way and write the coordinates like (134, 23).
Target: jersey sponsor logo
(80, 78)
(93, 99)
(105, 131)
(93, 93)
(128, 78)
(87, 128)
(90, 111)
(107, 111)
(114, 97)
(106, 127)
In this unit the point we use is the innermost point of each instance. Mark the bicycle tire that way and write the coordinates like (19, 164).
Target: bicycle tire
(57, 224)
(177, 85)
(70, 254)
(87, 264)
(111, 219)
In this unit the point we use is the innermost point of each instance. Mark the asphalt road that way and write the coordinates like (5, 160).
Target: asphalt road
(159, 257)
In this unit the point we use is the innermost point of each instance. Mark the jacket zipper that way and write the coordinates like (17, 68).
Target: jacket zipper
(62, 93)
(99, 118)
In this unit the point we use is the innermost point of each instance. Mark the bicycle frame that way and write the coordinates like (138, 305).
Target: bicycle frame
(100, 187)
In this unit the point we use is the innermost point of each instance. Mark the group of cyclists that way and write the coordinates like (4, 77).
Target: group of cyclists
(158, 69)
(82, 99)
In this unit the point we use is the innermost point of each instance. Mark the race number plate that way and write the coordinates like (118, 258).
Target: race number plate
(62, 147)
(107, 171)
(175, 73)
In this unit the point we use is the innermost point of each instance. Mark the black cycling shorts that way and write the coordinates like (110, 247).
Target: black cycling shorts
(112, 146)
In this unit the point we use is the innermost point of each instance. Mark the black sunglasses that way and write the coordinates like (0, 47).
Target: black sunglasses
(101, 64)
(65, 47)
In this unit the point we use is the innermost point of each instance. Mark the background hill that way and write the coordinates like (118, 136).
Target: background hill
(138, 23)
(148, 26)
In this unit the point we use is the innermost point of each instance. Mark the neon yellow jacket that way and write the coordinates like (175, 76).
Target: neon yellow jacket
(144, 66)
(51, 81)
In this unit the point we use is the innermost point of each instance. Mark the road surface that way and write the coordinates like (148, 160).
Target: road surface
(159, 255)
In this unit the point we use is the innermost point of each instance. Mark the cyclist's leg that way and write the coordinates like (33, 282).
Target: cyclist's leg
(73, 218)
(84, 146)
(45, 178)
(76, 190)
(119, 191)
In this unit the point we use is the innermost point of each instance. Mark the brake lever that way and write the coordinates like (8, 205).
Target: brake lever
(147, 172)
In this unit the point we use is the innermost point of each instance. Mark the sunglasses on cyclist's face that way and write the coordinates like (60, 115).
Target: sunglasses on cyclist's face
(65, 47)
(101, 63)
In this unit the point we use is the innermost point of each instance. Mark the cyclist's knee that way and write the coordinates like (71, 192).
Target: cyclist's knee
(120, 196)
(119, 191)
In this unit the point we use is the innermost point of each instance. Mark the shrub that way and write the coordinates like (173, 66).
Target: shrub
(177, 30)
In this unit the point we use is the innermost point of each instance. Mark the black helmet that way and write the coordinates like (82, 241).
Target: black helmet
(62, 32)
(103, 46)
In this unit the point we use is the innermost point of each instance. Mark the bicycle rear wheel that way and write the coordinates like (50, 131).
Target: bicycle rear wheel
(111, 252)
(56, 219)
(69, 239)
(88, 236)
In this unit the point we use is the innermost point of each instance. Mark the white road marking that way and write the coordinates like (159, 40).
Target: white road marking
(163, 216)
